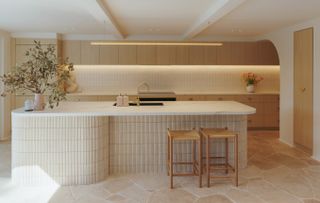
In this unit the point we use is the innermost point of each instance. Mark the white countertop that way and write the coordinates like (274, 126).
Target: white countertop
(111, 93)
(169, 108)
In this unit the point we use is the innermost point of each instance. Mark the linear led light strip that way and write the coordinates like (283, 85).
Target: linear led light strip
(159, 43)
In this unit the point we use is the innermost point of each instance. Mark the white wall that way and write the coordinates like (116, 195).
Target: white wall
(5, 103)
(283, 40)
(115, 79)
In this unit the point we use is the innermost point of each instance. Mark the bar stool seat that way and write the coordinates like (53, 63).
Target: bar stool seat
(221, 133)
(184, 135)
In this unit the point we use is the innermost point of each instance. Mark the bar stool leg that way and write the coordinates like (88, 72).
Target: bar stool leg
(168, 155)
(236, 158)
(207, 160)
(193, 154)
(171, 163)
(200, 162)
(226, 154)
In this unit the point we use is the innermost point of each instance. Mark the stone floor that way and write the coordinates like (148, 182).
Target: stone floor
(276, 173)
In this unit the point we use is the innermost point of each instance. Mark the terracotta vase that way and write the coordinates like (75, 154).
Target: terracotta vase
(250, 88)
(39, 102)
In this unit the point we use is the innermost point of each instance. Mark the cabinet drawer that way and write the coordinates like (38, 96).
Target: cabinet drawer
(219, 97)
(248, 98)
(190, 98)
(255, 121)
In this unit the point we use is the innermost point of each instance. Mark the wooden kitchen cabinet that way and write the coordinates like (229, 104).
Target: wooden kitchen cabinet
(182, 55)
(72, 50)
(146, 55)
(89, 54)
(196, 55)
(191, 98)
(109, 55)
(127, 55)
(267, 107)
(210, 55)
(166, 55)
(219, 97)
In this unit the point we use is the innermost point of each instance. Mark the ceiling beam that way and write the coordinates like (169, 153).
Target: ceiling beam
(215, 12)
(118, 32)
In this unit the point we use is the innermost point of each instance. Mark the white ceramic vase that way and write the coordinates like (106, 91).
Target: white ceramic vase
(250, 88)
(39, 102)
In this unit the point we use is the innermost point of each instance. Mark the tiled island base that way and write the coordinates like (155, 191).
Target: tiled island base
(139, 143)
(80, 149)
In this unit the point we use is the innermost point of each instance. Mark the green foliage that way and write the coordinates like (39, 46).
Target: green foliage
(40, 74)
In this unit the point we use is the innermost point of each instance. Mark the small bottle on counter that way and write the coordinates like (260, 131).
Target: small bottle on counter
(125, 100)
(119, 100)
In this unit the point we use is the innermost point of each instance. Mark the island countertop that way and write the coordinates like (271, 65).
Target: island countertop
(169, 108)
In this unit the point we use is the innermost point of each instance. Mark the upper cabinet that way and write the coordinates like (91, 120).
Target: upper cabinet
(231, 53)
(166, 55)
(90, 55)
(127, 55)
(196, 55)
(19, 47)
(71, 49)
(109, 55)
(146, 55)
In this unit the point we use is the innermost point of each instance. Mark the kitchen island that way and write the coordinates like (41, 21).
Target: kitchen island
(84, 142)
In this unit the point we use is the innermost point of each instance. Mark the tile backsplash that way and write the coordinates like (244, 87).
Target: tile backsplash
(180, 79)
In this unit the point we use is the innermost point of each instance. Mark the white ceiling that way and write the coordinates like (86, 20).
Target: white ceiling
(179, 18)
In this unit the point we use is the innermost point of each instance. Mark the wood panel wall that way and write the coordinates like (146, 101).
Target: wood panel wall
(231, 53)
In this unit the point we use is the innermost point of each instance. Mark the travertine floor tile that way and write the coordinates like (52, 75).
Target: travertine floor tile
(214, 199)
(243, 197)
(169, 195)
(270, 193)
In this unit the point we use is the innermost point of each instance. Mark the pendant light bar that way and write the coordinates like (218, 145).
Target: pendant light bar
(106, 43)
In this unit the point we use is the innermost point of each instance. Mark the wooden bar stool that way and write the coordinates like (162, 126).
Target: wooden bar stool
(184, 135)
(221, 133)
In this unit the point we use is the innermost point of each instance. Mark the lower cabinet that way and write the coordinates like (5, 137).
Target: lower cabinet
(267, 107)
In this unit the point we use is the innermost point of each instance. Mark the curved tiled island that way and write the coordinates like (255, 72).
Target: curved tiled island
(84, 142)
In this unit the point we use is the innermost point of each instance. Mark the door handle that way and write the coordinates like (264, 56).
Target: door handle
(303, 89)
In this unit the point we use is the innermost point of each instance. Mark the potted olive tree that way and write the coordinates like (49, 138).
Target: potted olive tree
(40, 75)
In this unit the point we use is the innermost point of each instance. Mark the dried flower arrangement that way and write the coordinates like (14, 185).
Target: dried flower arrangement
(40, 74)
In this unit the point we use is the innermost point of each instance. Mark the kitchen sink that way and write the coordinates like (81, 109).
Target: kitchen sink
(144, 104)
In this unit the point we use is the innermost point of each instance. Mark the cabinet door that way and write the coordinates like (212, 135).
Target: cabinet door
(210, 55)
(109, 55)
(127, 55)
(267, 53)
(89, 53)
(21, 53)
(303, 88)
(72, 49)
(251, 53)
(166, 55)
(146, 55)
(182, 55)
(224, 53)
(196, 55)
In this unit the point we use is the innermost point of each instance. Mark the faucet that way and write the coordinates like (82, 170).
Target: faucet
(143, 84)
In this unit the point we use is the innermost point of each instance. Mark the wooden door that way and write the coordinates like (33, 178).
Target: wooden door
(303, 89)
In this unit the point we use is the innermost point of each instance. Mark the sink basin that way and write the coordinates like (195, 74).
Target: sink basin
(144, 104)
